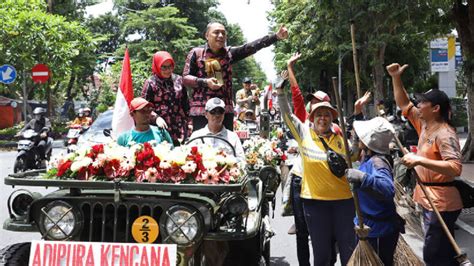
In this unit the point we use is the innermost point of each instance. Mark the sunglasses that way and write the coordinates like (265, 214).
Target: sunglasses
(217, 111)
(164, 68)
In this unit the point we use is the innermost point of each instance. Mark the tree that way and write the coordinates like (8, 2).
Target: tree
(324, 36)
(463, 15)
(31, 36)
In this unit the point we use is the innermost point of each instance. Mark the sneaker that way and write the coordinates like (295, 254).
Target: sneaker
(292, 230)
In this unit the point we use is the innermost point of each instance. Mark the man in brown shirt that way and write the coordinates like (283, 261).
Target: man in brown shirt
(437, 162)
(208, 70)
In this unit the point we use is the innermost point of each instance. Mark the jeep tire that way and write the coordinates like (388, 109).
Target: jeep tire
(15, 255)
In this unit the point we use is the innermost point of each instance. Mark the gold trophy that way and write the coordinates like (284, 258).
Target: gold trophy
(214, 70)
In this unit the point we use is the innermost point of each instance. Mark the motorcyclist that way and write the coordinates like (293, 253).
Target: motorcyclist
(82, 119)
(41, 125)
(87, 114)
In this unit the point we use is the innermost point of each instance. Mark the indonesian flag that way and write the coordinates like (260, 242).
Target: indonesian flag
(270, 97)
(121, 120)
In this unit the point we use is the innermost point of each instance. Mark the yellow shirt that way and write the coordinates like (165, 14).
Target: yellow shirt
(318, 181)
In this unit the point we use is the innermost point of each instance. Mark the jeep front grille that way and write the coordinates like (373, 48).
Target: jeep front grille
(110, 222)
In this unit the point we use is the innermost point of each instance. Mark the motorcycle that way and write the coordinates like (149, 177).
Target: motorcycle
(28, 156)
(73, 135)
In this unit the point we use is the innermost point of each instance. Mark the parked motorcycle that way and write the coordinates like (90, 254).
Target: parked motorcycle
(28, 156)
(73, 135)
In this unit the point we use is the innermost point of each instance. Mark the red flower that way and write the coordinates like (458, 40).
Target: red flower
(284, 157)
(194, 149)
(111, 167)
(62, 168)
(82, 174)
(99, 148)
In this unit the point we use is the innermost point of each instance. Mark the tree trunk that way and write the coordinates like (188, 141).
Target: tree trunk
(378, 71)
(72, 79)
(463, 15)
(468, 150)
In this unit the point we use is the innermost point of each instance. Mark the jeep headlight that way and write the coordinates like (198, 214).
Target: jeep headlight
(183, 225)
(59, 220)
(19, 202)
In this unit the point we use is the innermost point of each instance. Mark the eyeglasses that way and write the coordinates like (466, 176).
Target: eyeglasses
(168, 67)
(217, 111)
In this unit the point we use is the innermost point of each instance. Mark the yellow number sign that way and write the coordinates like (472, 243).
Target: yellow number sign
(145, 229)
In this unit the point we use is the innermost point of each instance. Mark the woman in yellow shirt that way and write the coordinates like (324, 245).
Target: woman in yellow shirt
(327, 199)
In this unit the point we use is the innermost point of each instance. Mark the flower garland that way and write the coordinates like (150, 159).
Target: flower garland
(260, 152)
(149, 162)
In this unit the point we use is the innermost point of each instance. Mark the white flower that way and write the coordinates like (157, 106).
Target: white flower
(178, 156)
(162, 150)
(209, 164)
(165, 164)
(79, 164)
(189, 167)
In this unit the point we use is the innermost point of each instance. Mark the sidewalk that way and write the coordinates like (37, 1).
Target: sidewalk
(466, 218)
(467, 168)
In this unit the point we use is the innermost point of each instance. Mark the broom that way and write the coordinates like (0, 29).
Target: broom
(460, 256)
(404, 255)
(364, 254)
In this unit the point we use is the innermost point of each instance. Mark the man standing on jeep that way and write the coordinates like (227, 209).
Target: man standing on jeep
(208, 70)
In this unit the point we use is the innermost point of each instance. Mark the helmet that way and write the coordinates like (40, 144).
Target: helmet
(87, 111)
(376, 134)
(39, 111)
(80, 113)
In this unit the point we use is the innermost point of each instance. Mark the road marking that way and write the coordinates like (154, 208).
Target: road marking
(465, 226)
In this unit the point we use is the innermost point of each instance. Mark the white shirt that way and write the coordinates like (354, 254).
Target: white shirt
(226, 134)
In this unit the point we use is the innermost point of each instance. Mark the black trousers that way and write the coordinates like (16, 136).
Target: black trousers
(201, 121)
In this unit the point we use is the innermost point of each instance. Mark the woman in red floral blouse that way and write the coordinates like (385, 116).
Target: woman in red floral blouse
(164, 89)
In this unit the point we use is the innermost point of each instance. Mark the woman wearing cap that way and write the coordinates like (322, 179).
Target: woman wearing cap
(374, 185)
(327, 199)
(437, 161)
(164, 89)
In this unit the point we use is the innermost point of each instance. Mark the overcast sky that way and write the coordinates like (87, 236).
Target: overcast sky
(252, 18)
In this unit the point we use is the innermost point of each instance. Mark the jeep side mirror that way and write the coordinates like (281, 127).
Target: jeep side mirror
(107, 132)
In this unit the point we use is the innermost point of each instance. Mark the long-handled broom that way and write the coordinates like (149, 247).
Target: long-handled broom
(364, 254)
(460, 256)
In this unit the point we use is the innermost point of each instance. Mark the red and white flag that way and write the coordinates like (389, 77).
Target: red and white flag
(121, 120)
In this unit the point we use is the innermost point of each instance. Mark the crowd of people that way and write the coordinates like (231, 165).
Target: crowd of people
(322, 200)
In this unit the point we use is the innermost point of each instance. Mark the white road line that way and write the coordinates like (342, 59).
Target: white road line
(465, 226)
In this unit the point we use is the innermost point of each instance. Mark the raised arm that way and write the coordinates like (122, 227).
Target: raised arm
(296, 127)
(401, 96)
(240, 52)
(296, 95)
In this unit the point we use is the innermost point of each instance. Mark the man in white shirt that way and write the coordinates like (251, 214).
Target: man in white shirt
(215, 127)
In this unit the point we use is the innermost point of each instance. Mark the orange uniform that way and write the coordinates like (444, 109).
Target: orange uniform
(439, 143)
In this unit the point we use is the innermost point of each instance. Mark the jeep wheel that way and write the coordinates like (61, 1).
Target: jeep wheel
(15, 255)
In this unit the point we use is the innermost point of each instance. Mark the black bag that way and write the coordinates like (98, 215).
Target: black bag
(467, 193)
(337, 163)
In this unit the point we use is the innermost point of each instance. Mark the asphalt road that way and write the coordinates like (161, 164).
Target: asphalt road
(283, 246)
